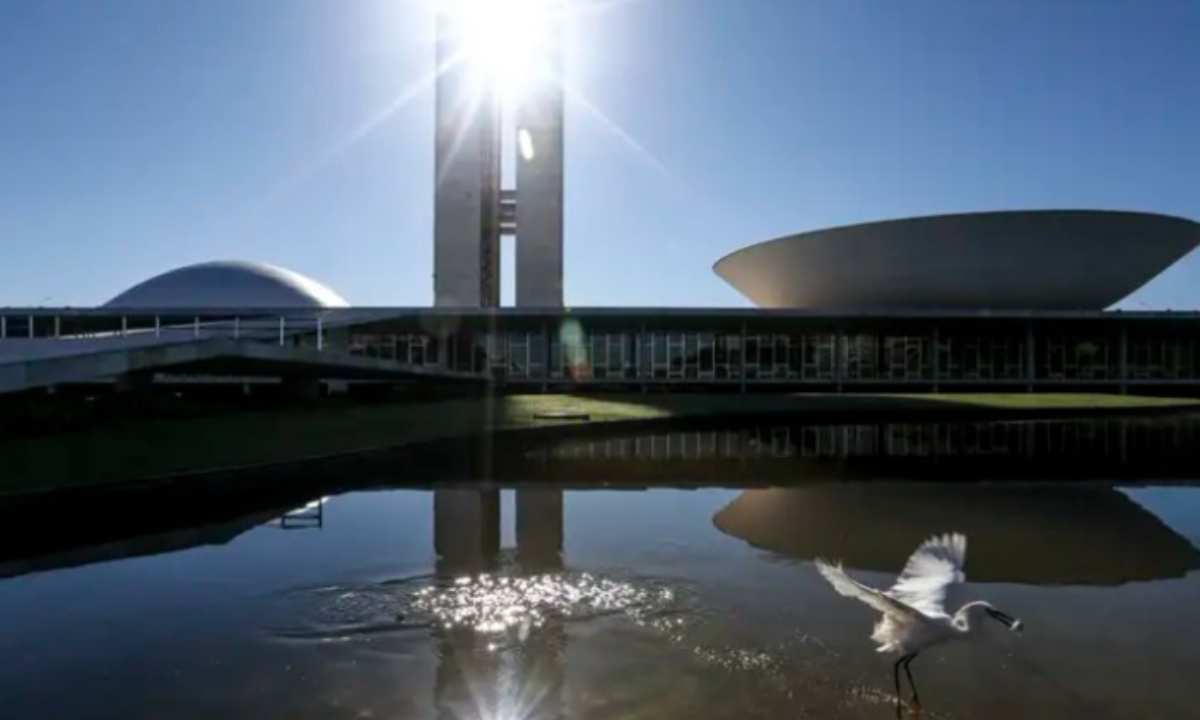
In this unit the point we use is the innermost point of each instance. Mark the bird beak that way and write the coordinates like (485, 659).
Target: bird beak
(1008, 620)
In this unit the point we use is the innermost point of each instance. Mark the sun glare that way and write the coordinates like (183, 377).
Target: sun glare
(508, 42)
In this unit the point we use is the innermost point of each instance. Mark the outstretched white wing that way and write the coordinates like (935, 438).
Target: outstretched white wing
(848, 586)
(930, 571)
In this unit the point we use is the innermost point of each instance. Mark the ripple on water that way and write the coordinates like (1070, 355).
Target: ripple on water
(488, 604)
(507, 609)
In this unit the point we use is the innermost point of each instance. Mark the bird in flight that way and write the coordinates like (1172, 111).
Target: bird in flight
(914, 608)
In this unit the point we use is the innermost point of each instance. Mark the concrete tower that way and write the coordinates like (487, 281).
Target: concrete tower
(540, 184)
(466, 216)
(471, 209)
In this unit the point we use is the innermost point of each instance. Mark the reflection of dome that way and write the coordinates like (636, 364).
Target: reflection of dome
(1042, 259)
(229, 284)
(1053, 534)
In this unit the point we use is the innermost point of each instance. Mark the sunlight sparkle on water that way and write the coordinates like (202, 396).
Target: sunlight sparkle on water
(495, 604)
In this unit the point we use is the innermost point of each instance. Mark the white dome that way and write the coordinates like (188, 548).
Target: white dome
(229, 284)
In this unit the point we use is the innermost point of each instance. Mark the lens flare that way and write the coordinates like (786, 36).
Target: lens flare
(525, 143)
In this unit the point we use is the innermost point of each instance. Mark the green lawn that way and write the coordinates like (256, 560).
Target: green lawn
(136, 450)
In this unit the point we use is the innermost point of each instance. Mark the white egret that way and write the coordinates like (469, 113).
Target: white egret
(914, 609)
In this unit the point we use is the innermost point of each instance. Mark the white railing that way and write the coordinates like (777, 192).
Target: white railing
(275, 328)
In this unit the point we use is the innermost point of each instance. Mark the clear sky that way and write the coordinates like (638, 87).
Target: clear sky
(139, 135)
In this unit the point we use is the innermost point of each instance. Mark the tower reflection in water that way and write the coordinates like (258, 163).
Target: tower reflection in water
(498, 672)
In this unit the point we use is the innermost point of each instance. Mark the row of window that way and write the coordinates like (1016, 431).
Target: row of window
(717, 357)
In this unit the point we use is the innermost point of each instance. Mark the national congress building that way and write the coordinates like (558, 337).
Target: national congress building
(998, 300)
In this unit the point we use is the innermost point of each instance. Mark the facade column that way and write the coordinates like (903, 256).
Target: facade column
(1124, 359)
(742, 358)
(546, 355)
(839, 348)
(881, 358)
(637, 357)
(935, 358)
(1030, 357)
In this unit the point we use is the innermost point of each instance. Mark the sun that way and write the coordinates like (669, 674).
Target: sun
(508, 43)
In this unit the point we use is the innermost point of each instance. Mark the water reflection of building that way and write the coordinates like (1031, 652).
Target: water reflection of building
(137, 545)
(1049, 534)
(309, 517)
(477, 674)
(466, 529)
(1111, 437)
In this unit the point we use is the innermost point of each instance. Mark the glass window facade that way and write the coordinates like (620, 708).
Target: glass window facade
(950, 353)
(742, 349)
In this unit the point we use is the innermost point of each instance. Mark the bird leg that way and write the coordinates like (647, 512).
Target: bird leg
(896, 679)
(916, 701)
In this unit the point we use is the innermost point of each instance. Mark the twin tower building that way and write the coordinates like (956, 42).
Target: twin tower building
(473, 210)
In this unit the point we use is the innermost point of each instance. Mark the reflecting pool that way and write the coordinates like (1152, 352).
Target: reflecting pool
(584, 577)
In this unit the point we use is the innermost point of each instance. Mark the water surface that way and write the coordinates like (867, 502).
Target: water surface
(524, 600)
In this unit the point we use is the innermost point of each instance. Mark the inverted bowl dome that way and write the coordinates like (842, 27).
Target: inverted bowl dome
(1041, 259)
(1014, 534)
(229, 284)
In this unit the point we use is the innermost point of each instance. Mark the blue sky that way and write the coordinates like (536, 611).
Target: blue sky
(139, 135)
